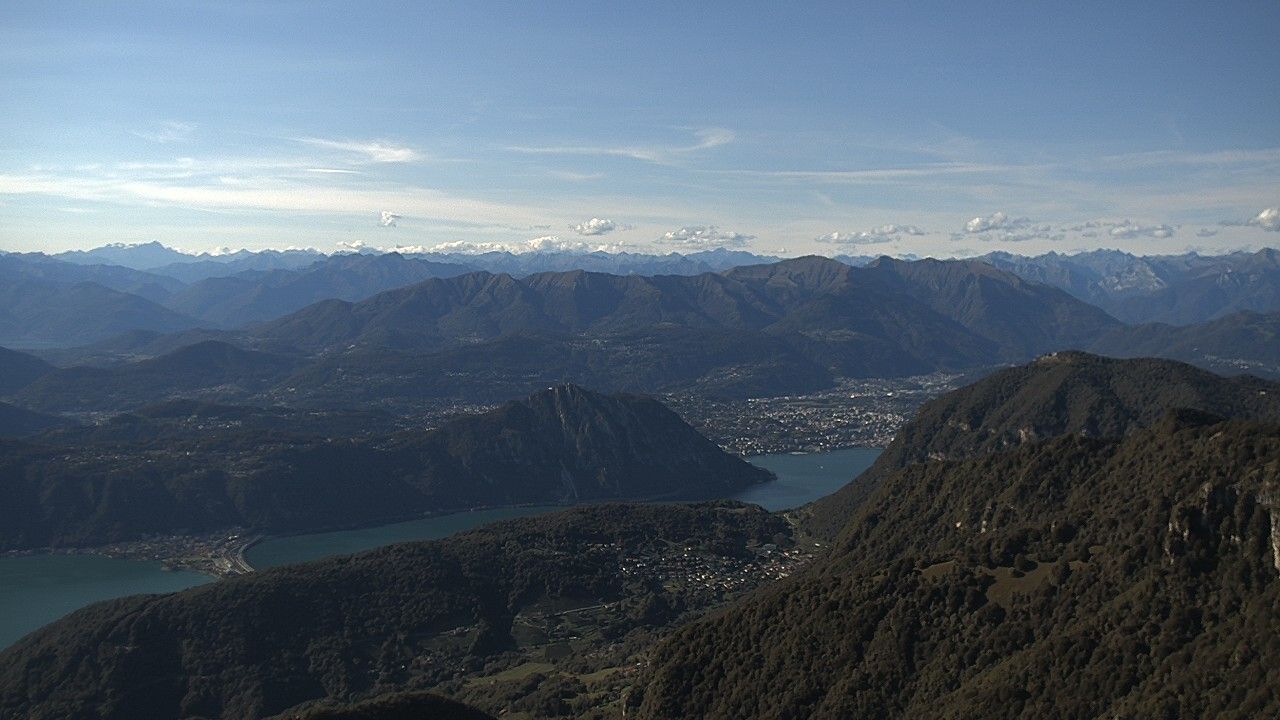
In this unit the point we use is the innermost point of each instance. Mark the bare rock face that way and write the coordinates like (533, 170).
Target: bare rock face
(1269, 498)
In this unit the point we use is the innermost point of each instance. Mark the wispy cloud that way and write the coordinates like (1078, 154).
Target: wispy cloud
(574, 176)
(873, 176)
(388, 219)
(1164, 158)
(376, 151)
(166, 132)
(706, 138)
(279, 194)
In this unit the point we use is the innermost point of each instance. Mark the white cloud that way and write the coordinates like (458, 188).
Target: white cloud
(553, 243)
(994, 221)
(1268, 219)
(595, 226)
(388, 219)
(999, 227)
(883, 233)
(699, 237)
(1129, 229)
(377, 151)
(544, 244)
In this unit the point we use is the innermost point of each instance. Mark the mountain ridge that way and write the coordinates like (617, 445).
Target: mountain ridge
(885, 296)
(1067, 393)
(563, 445)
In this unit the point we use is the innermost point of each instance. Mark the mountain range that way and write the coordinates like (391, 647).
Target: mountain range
(233, 289)
(209, 367)
(36, 313)
(787, 327)
(1242, 342)
(188, 267)
(252, 296)
(914, 315)
(1170, 289)
(442, 331)
(178, 291)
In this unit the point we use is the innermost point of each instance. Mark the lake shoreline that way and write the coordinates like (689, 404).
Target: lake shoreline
(39, 585)
(225, 553)
(218, 555)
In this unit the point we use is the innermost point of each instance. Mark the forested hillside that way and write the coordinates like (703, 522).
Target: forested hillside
(1079, 577)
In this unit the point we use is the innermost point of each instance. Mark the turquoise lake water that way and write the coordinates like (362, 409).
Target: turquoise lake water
(38, 589)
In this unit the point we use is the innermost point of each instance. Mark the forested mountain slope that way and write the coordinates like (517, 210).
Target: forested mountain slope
(1068, 393)
(1079, 577)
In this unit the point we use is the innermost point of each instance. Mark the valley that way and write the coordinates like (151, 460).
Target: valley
(372, 447)
(619, 361)
(604, 604)
(800, 479)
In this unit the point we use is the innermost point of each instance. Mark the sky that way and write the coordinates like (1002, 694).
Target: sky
(931, 128)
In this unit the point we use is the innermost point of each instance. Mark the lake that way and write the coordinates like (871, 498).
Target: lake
(38, 589)
(801, 478)
(805, 478)
(301, 548)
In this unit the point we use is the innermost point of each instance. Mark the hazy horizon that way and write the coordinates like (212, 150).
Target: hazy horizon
(526, 249)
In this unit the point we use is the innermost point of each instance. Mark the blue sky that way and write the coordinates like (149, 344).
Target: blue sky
(903, 127)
